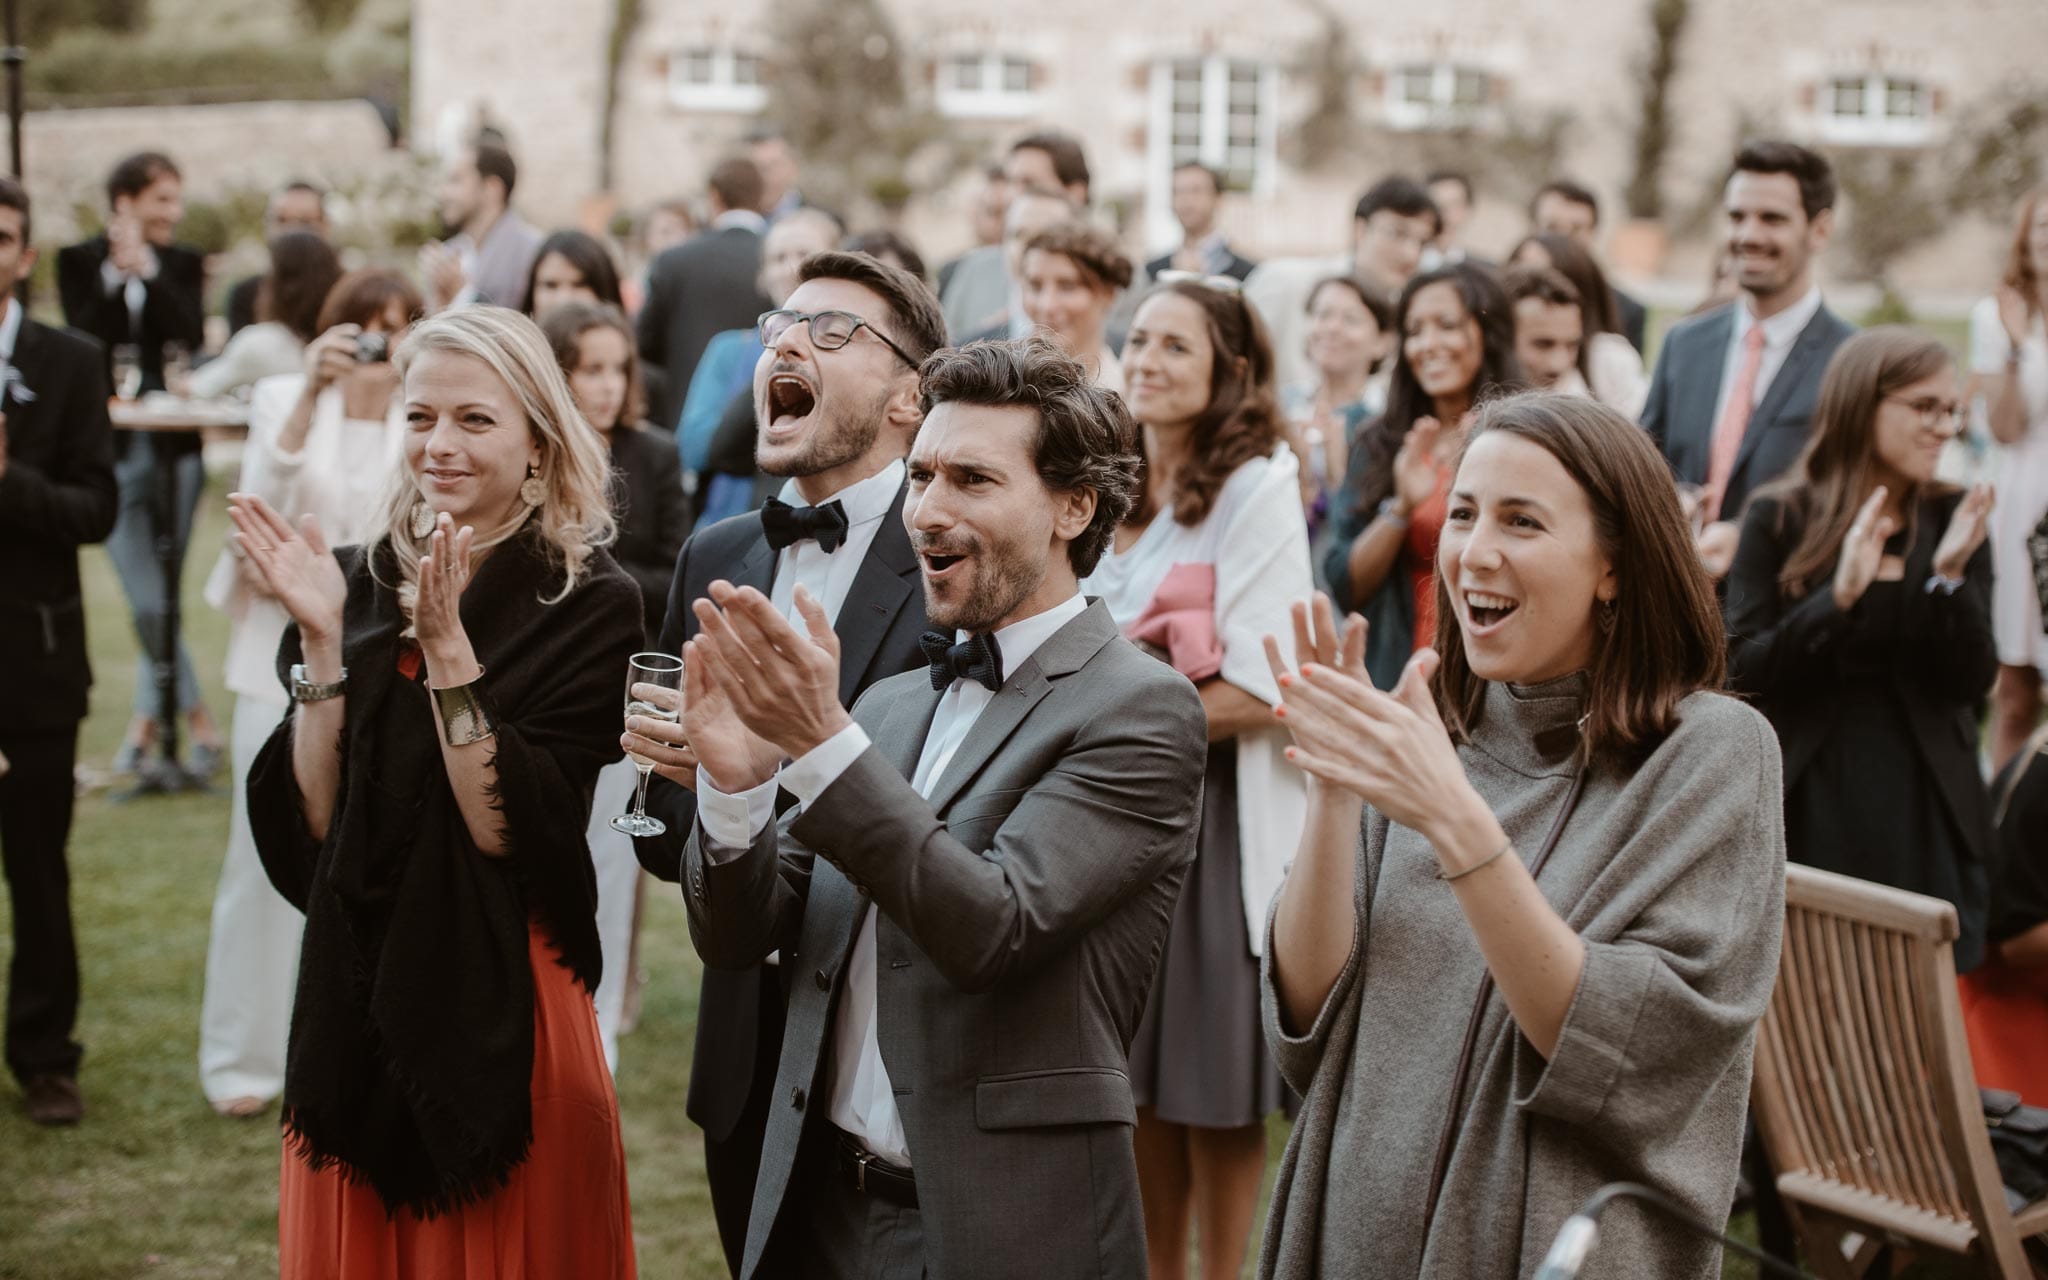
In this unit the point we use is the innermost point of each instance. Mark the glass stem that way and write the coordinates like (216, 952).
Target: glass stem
(640, 789)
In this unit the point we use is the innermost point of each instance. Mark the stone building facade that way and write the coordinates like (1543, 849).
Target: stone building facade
(1497, 84)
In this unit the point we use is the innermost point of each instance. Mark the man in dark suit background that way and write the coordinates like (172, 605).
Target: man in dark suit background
(57, 493)
(981, 869)
(839, 422)
(298, 205)
(132, 286)
(1731, 400)
(707, 284)
(1566, 208)
(1204, 250)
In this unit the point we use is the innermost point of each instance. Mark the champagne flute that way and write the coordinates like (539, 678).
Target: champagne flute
(178, 369)
(648, 677)
(127, 370)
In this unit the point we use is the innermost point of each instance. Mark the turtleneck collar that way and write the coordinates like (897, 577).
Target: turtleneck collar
(1533, 729)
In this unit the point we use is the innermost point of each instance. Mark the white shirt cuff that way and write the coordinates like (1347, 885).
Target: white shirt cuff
(112, 278)
(820, 767)
(732, 822)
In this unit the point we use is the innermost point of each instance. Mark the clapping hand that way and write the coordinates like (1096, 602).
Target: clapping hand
(1863, 549)
(296, 567)
(1415, 466)
(125, 246)
(1389, 749)
(1965, 532)
(437, 610)
(783, 685)
(736, 758)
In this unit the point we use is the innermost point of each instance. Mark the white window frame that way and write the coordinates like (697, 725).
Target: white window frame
(992, 100)
(1443, 110)
(1874, 125)
(723, 91)
(1213, 147)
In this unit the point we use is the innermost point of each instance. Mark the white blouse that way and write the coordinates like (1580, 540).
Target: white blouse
(1256, 537)
(338, 474)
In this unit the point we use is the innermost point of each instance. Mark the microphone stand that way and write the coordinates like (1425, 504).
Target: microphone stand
(1581, 1231)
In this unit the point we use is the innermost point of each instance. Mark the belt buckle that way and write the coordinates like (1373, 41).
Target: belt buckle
(861, 1160)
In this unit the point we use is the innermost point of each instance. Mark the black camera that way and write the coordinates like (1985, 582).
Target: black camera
(371, 348)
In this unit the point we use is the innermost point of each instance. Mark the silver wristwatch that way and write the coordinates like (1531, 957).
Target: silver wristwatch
(304, 690)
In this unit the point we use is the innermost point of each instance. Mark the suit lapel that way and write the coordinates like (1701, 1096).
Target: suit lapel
(905, 725)
(1069, 650)
(1703, 385)
(887, 577)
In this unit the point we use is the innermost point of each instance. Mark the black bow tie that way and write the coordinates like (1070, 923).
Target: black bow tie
(786, 525)
(976, 658)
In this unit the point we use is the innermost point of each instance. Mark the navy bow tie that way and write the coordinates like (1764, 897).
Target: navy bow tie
(976, 658)
(786, 525)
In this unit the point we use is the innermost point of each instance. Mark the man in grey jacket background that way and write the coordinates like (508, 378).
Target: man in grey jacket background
(952, 1097)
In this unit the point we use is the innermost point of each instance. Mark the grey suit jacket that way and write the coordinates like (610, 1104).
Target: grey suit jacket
(1679, 413)
(1023, 907)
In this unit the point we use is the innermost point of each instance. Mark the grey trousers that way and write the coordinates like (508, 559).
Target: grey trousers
(132, 548)
(829, 1231)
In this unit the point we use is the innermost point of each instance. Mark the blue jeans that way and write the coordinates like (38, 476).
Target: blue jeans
(132, 547)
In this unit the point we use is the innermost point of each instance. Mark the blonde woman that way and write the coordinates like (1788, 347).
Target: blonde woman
(458, 685)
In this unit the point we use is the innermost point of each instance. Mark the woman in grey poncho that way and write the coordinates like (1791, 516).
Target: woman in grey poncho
(1570, 708)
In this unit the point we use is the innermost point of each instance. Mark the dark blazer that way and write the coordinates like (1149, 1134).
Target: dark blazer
(878, 629)
(1634, 319)
(1239, 267)
(1679, 414)
(1022, 911)
(56, 495)
(172, 307)
(653, 515)
(1787, 654)
(241, 304)
(703, 286)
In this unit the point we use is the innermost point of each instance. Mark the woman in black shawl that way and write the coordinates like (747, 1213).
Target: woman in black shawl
(457, 685)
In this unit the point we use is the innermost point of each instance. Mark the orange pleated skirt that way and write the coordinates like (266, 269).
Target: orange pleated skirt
(564, 1212)
(2005, 1013)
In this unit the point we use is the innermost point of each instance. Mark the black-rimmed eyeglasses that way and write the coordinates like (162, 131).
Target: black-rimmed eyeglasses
(1933, 414)
(830, 330)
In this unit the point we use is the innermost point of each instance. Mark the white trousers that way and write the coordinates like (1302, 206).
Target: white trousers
(618, 880)
(252, 954)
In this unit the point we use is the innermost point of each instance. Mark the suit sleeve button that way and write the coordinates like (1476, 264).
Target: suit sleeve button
(824, 980)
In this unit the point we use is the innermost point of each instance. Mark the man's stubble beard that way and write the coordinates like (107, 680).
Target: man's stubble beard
(843, 439)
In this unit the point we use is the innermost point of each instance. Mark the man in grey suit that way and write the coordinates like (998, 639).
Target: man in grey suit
(952, 1097)
(1732, 398)
(707, 284)
(842, 404)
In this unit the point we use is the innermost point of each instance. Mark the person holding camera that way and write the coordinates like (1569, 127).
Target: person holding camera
(321, 443)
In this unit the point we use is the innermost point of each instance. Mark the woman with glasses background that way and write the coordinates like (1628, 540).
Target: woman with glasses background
(1859, 618)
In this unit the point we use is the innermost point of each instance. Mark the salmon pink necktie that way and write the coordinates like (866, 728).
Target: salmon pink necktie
(1734, 421)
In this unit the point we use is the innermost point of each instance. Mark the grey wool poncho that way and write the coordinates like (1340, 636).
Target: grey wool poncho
(1672, 873)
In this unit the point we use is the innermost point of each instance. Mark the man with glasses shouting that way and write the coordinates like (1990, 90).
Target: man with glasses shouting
(836, 395)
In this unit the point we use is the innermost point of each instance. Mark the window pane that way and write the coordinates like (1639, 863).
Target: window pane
(1905, 100)
(1469, 89)
(1845, 97)
(1418, 84)
(1016, 75)
(746, 69)
(695, 66)
(963, 72)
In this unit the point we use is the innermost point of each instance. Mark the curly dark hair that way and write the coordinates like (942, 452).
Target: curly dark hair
(1499, 373)
(1086, 437)
(1242, 420)
(1091, 248)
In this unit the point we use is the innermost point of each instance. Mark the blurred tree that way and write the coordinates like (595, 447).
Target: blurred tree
(41, 19)
(1645, 195)
(328, 15)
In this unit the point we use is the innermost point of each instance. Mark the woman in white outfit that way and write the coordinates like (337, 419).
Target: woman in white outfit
(321, 444)
(2009, 374)
(289, 302)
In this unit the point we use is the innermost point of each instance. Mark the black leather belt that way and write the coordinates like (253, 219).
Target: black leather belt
(871, 1175)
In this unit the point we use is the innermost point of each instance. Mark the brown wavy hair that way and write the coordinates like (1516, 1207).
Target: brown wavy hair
(1836, 471)
(1092, 249)
(564, 327)
(2021, 271)
(1666, 639)
(1242, 420)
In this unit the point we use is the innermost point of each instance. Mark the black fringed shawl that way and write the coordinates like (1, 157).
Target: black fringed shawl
(411, 1056)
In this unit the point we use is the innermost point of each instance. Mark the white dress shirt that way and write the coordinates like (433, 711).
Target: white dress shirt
(861, 1101)
(829, 576)
(1780, 332)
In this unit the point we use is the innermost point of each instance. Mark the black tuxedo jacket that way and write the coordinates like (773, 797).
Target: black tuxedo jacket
(172, 307)
(56, 495)
(703, 286)
(1634, 319)
(878, 629)
(1679, 414)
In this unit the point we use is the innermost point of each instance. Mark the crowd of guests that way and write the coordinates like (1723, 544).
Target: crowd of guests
(1354, 687)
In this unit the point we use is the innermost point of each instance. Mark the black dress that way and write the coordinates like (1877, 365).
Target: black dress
(1876, 709)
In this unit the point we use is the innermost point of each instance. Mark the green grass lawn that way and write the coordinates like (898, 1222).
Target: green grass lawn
(154, 1184)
